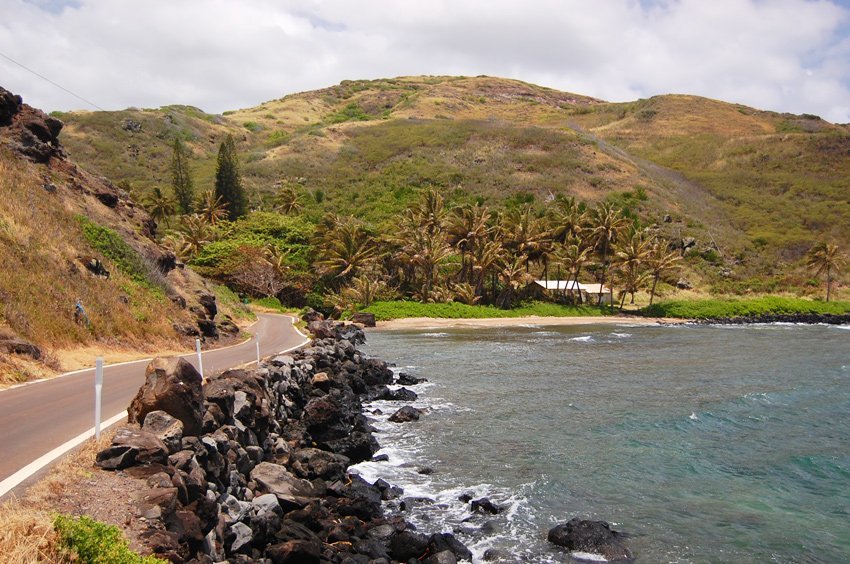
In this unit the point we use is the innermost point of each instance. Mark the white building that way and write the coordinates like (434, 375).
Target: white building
(589, 292)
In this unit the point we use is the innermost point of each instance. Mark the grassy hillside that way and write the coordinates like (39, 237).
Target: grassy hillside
(755, 189)
(66, 236)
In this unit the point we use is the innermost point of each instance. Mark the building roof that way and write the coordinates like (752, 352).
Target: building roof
(571, 285)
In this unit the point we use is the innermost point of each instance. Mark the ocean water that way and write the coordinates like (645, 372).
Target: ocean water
(704, 443)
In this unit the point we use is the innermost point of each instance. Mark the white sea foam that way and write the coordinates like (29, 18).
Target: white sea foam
(621, 335)
(693, 416)
(433, 334)
(588, 556)
(583, 339)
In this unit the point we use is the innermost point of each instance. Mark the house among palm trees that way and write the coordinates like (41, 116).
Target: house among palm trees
(555, 289)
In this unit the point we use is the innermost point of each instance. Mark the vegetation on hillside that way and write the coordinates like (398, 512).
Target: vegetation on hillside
(746, 193)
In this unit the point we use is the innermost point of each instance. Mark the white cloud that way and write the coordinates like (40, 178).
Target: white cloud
(785, 55)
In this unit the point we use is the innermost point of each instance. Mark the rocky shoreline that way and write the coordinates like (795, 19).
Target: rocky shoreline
(251, 465)
(801, 318)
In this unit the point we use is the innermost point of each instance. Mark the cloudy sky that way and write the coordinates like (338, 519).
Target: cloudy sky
(784, 55)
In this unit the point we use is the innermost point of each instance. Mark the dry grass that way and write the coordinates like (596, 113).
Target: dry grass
(40, 242)
(27, 533)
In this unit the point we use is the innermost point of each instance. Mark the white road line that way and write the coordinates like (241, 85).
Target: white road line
(39, 463)
(15, 479)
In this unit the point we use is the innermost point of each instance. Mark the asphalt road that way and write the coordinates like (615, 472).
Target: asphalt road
(37, 418)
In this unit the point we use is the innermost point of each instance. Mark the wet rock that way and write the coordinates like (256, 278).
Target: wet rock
(404, 545)
(484, 505)
(401, 394)
(446, 542)
(405, 414)
(595, 537)
(171, 385)
(406, 379)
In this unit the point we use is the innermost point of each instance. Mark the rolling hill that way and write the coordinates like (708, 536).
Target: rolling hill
(755, 189)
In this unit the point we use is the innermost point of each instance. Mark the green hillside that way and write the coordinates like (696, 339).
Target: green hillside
(754, 189)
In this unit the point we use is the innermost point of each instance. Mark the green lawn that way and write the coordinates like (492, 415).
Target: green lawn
(715, 309)
(384, 311)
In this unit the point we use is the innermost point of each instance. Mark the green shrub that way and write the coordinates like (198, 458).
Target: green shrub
(351, 112)
(272, 303)
(88, 541)
(126, 258)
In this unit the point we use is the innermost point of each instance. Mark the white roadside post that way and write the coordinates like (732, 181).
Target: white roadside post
(258, 351)
(98, 390)
(200, 360)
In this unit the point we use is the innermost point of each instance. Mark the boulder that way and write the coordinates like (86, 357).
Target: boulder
(405, 545)
(595, 537)
(312, 463)
(406, 379)
(168, 429)
(401, 394)
(364, 319)
(291, 492)
(15, 345)
(171, 385)
(295, 552)
(484, 505)
(130, 447)
(312, 315)
(405, 414)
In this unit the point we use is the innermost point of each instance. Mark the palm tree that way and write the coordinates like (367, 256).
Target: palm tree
(527, 236)
(213, 209)
(630, 256)
(160, 206)
(430, 211)
(288, 201)
(425, 251)
(606, 224)
(191, 236)
(572, 256)
(467, 228)
(515, 277)
(659, 261)
(345, 247)
(567, 219)
(825, 258)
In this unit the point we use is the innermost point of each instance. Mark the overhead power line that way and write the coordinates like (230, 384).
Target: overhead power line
(57, 85)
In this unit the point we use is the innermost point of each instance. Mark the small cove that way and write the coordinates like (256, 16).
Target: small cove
(706, 443)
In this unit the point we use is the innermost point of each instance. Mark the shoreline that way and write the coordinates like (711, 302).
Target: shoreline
(485, 322)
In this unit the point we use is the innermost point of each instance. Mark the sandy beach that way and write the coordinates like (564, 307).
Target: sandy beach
(439, 323)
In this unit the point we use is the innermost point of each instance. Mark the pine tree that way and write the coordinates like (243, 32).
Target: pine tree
(228, 183)
(181, 178)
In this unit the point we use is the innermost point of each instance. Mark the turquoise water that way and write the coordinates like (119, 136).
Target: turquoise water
(706, 444)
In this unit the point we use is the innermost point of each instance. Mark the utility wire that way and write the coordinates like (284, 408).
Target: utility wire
(51, 82)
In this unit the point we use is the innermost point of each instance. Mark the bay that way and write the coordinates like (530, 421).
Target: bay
(705, 443)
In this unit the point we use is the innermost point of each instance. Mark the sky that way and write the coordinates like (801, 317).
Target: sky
(782, 55)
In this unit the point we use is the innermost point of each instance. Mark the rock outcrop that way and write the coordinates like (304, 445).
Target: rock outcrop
(595, 537)
(31, 132)
(266, 479)
(173, 386)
